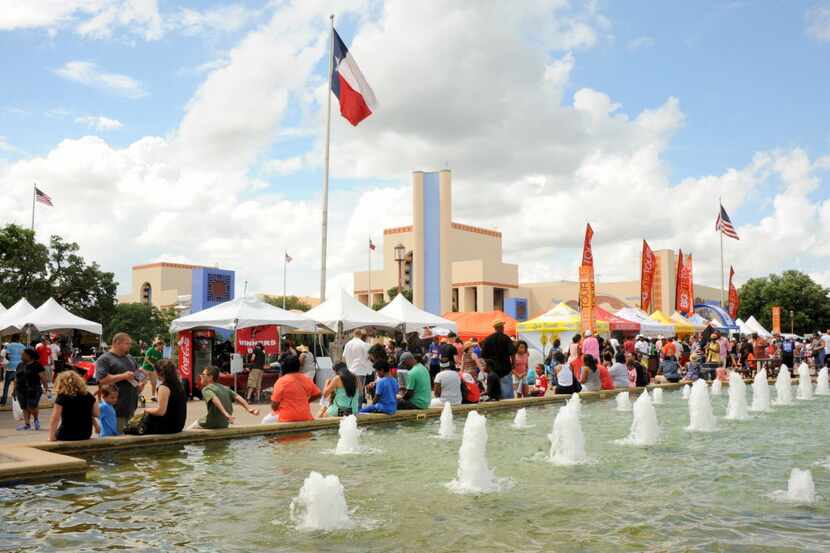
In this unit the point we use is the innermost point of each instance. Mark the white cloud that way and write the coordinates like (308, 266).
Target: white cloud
(99, 122)
(89, 74)
(226, 18)
(817, 19)
(641, 42)
(6, 146)
(528, 157)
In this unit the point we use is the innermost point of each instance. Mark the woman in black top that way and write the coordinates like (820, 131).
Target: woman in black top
(29, 383)
(74, 411)
(170, 414)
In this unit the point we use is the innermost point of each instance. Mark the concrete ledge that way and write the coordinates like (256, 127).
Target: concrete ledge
(21, 463)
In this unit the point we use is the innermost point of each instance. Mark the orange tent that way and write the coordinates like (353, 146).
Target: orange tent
(480, 325)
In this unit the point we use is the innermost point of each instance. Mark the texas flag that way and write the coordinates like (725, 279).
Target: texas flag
(349, 85)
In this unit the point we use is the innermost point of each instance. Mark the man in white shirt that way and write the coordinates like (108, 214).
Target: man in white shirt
(826, 339)
(356, 357)
(447, 386)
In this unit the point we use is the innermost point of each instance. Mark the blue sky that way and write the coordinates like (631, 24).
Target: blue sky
(750, 79)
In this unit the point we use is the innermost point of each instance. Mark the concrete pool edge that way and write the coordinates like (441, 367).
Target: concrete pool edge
(33, 466)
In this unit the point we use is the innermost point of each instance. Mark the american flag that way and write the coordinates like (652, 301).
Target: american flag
(724, 225)
(42, 197)
(371, 245)
(288, 258)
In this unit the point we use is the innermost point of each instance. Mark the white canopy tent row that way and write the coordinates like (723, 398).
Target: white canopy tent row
(756, 328)
(51, 316)
(648, 326)
(742, 327)
(342, 313)
(413, 319)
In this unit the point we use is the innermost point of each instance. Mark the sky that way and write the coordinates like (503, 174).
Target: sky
(193, 131)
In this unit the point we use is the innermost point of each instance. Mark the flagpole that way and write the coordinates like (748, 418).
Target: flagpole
(284, 272)
(34, 194)
(721, 258)
(369, 299)
(325, 209)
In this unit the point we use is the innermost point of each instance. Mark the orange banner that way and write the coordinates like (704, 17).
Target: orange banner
(682, 294)
(734, 300)
(690, 271)
(776, 320)
(587, 292)
(647, 266)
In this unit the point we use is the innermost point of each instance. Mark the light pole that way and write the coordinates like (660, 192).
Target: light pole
(400, 253)
(792, 321)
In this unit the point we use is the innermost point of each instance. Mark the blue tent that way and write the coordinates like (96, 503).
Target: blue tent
(717, 314)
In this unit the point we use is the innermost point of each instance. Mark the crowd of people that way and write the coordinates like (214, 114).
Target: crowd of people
(380, 376)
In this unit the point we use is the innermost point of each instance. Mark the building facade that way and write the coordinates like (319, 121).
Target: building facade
(188, 288)
(450, 266)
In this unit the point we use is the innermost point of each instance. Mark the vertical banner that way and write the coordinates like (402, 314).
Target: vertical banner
(776, 320)
(734, 300)
(691, 285)
(681, 292)
(186, 354)
(587, 293)
(647, 265)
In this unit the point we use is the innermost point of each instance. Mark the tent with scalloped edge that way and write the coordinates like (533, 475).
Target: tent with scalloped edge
(680, 329)
(479, 324)
(648, 326)
(560, 322)
(616, 324)
(676, 316)
(756, 327)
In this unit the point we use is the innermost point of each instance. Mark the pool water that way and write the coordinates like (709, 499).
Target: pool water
(692, 492)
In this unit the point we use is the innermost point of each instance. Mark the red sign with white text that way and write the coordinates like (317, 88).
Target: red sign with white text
(647, 266)
(185, 354)
(268, 336)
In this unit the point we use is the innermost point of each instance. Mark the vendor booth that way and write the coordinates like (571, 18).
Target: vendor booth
(413, 319)
(342, 313)
(648, 326)
(756, 328)
(197, 332)
(561, 322)
(11, 319)
(479, 324)
(617, 324)
(681, 328)
(53, 317)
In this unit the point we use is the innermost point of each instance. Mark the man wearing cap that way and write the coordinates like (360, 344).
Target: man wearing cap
(416, 391)
(499, 348)
(590, 345)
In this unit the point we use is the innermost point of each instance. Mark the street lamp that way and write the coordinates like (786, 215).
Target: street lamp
(792, 321)
(400, 254)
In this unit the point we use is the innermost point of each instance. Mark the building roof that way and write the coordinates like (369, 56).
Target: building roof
(168, 265)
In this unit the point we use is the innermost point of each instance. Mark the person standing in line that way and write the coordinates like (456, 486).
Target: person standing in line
(521, 360)
(256, 360)
(14, 353)
(30, 383)
(825, 340)
(117, 368)
(44, 356)
(498, 347)
(590, 346)
(356, 357)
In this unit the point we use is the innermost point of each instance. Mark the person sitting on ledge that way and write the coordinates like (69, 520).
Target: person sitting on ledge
(385, 389)
(416, 393)
(293, 393)
(447, 386)
(341, 391)
(108, 421)
(540, 385)
(168, 417)
(619, 372)
(219, 400)
(74, 411)
(492, 383)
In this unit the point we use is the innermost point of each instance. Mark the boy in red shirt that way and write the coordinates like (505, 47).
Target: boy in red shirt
(540, 387)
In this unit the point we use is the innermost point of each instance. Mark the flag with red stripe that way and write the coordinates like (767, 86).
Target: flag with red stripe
(724, 225)
(42, 197)
(357, 100)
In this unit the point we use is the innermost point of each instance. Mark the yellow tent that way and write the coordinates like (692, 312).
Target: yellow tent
(560, 322)
(681, 328)
(680, 319)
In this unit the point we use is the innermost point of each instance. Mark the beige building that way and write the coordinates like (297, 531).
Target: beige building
(452, 266)
(189, 288)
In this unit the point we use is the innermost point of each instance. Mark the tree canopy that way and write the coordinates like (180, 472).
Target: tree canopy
(792, 291)
(141, 322)
(37, 272)
(291, 302)
(392, 292)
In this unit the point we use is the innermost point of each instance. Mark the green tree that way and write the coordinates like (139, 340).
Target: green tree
(37, 272)
(141, 322)
(291, 302)
(792, 291)
(392, 292)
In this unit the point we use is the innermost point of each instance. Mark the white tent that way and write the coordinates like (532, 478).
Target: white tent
(53, 316)
(697, 320)
(404, 313)
(648, 326)
(756, 328)
(742, 327)
(2, 309)
(10, 321)
(242, 312)
(341, 308)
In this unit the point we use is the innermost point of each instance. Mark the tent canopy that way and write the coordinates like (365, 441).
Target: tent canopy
(616, 324)
(697, 320)
(648, 326)
(345, 309)
(53, 316)
(480, 324)
(415, 320)
(242, 312)
(743, 328)
(756, 328)
(11, 320)
(560, 318)
(717, 315)
(680, 319)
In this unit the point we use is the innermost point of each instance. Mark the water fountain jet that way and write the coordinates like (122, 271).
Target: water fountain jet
(474, 475)
(684, 393)
(716, 387)
(644, 429)
(520, 420)
(657, 398)
(800, 489)
(822, 383)
(567, 442)
(760, 392)
(737, 407)
(701, 418)
(805, 383)
(783, 387)
(446, 430)
(321, 504)
(623, 402)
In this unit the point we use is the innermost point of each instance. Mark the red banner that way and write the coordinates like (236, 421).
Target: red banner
(268, 336)
(647, 266)
(682, 294)
(776, 320)
(587, 293)
(734, 300)
(690, 271)
(185, 354)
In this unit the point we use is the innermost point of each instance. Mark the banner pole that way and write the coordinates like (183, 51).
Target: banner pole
(284, 272)
(34, 194)
(325, 207)
(369, 297)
